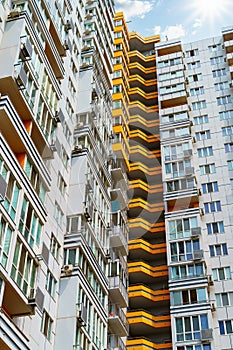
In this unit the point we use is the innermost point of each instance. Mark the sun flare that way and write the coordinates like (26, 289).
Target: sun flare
(209, 8)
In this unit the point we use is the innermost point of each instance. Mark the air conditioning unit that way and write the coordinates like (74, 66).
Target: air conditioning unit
(66, 45)
(21, 78)
(206, 335)
(32, 294)
(195, 231)
(78, 148)
(86, 47)
(202, 212)
(213, 307)
(85, 65)
(87, 31)
(210, 280)
(15, 12)
(198, 255)
(68, 269)
(87, 214)
(82, 315)
(26, 50)
(89, 16)
(68, 26)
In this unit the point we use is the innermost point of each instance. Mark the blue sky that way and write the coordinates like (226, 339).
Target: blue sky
(188, 20)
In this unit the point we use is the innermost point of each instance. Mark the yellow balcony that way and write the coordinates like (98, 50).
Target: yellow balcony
(140, 244)
(142, 107)
(142, 136)
(143, 318)
(137, 68)
(136, 55)
(145, 97)
(140, 184)
(138, 121)
(145, 295)
(144, 344)
(140, 167)
(141, 268)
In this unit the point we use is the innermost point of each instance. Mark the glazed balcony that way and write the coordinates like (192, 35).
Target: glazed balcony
(11, 334)
(115, 343)
(117, 321)
(118, 236)
(117, 291)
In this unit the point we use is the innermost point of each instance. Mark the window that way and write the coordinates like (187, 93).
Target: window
(194, 65)
(218, 250)
(175, 151)
(215, 227)
(189, 328)
(171, 88)
(192, 53)
(117, 74)
(189, 296)
(203, 135)
(182, 251)
(225, 327)
(215, 48)
(197, 91)
(187, 271)
(198, 105)
(226, 115)
(182, 184)
(210, 187)
(5, 242)
(221, 86)
(171, 75)
(207, 169)
(176, 132)
(224, 299)
(216, 60)
(223, 100)
(194, 347)
(181, 227)
(205, 152)
(46, 325)
(174, 117)
(195, 77)
(230, 164)
(219, 72)
(23, 270)
(201, 119)
(212, 207)
(222, 273)
(58, 214)
(70, 256)
(51, 284)
(228, 147)
(170, 63)
(177, 169)
(118, 22)
(228, 130)
(117, 89)
(54, 247)
(29, 224)
(118, 34)
(61, 184)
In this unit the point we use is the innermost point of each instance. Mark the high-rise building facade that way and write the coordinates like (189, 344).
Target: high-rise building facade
(136, 120)
(63, 226)
(191, 92)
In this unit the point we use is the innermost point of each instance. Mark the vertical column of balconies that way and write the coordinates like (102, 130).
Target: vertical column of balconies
(32, 161)
(188, 281)
(137, 128)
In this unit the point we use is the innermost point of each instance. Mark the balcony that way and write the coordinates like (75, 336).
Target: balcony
(117, 291)
(146, 297)
(119, 239)
(117, 321)
(143, 343)
(115, 343)
(11, 336)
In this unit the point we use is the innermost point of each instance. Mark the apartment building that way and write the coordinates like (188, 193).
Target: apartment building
(63, 233)
(136, 124)
(186, 147)
(195, 101)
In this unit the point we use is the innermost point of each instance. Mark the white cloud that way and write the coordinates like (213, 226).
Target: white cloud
(157, 30)
(134, 8)
(174, 32)
(197, 23)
